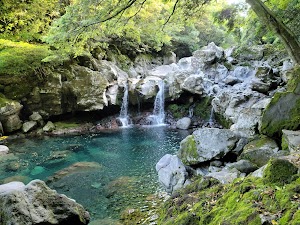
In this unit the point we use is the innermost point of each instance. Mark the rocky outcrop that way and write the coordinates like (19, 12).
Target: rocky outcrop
(9, 114)
(207, 144)
(284, 109)
(36, 203)
(171, 173)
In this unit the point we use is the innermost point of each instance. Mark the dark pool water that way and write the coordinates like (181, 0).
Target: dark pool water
(117, 168)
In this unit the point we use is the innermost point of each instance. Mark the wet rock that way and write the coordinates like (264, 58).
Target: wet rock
(12, 166)
(4, 150)
(171, 172)
(260, 151)
(37, 170)
(291, 140)
(36, 203)
(184, 123)
(23, 179)
(207, 144)
(49, 127)
(29, 126)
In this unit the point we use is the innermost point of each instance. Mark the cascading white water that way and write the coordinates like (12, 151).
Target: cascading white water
(124, 117)
(158, 116)
(211, 117)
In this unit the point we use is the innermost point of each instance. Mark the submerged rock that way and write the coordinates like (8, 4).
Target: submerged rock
(36, 203)
(4, 150)
(171, 172)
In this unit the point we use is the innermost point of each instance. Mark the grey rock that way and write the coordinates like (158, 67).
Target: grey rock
(29, 126)
(37, 117)
(216, 163)
(4, 150)
(207, 144)
(36, 203)
(244, 166)
(11, 123)
(225, 176)
(10, 187)
(259, 172)
(169, 59)
(184, 123)
(171, 172)
(292, 140)
(231, 80)
(49, 127)
(193, 84)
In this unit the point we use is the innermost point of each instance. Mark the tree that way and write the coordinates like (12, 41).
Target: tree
(288, 38)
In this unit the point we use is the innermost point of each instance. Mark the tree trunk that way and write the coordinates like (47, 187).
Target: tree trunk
(282, 31)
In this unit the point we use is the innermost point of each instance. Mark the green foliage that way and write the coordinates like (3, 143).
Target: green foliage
(27, 20)
(19, 58)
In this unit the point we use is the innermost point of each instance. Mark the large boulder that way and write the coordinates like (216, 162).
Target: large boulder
(171, 172)
(209, 54)
(260, 151)
(283, 112)
(4, 150)
(9, 114)
(29, 126)
(207, 144)
(36, 203)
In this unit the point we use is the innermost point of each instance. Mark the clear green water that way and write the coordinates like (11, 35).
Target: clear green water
(125, 160)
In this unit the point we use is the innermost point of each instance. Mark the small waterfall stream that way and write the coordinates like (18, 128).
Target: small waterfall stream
(124, 117)
(158, 116)
(211, 117)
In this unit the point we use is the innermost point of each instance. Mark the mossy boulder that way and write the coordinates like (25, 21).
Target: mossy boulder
(207, 144)
(283, 112)
(291, 140)
(259, 151)
(279, 171)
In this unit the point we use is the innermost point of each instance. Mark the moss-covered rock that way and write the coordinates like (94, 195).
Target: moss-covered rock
(188, 150)
(279, 171)
(259, 151)
(203, 108)
(283, 112)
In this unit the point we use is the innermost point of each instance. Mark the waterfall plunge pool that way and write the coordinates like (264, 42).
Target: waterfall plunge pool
(105, 172)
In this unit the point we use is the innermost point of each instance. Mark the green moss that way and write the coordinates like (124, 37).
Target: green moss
(3, 100)
(203, 108)
(19, 58)
(284, 144)
(66, 125)
(279, 172)
(241, 202)
(188, 151)
(178, 111)
(223, 121)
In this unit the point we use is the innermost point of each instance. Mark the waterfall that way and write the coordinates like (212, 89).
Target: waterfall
(158, 116)
(211, 117)
(124, 117)
(191, 111)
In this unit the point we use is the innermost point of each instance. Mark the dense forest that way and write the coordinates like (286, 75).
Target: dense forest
(51, 31)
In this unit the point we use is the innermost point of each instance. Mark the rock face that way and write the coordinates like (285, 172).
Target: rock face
(171, 172)
(9, 115)
(36, 203)
(207, 144)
